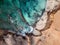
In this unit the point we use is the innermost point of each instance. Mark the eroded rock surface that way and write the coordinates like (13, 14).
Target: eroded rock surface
(49, 36)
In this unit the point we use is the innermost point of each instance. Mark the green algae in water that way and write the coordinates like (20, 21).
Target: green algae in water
(20, 15)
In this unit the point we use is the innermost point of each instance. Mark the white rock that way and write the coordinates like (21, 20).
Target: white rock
(51, 5)
(42, 22)
(35, 32)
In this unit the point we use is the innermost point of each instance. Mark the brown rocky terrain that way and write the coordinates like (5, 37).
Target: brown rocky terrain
(50, 35)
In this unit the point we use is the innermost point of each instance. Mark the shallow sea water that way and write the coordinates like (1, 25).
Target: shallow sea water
(19, 15)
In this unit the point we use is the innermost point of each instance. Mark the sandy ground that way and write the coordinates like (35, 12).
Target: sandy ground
(51, 36)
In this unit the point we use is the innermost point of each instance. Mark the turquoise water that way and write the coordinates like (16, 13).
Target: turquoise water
(20, 15)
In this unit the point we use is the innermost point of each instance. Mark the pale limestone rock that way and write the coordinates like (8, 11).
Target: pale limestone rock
(42, 22)
(36, 33)
(9, 40)
(51, 5)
